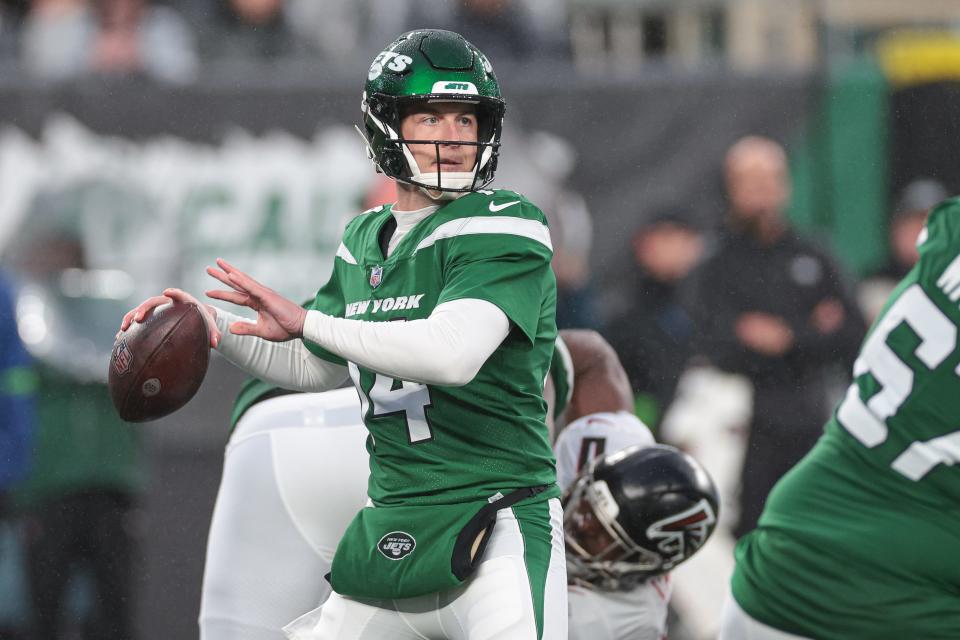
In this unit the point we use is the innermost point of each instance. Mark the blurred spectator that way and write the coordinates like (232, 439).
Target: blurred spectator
(773, 307)
(500, 28)
(653, 334)
(251, 29)
(17, 414)
(551, 161)
(339, 29)
(57, 38)
(571, 231)
(9, 31)
(17, 388)
(134, 37)
(540, 165)
(79, 503)
(64, 39)
(909, 217)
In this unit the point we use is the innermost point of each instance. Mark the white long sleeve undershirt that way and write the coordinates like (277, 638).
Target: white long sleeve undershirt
(447, 348)
(286, 364)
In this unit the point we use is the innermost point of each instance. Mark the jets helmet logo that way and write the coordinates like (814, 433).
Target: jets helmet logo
(396, 545)
(390, 60)
(691, 527)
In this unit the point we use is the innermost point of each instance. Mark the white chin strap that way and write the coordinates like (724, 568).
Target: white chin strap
(444, 179)
(448, 180)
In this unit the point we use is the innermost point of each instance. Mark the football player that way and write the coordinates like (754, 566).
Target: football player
(861, 538)
(273, 534)
(441, 310)
(633, 509)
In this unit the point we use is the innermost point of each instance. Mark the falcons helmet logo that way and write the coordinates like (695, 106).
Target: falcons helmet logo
(690, 527)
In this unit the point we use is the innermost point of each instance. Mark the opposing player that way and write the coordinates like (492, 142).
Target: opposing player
(441, 310)
(633, 509)
(861, 538)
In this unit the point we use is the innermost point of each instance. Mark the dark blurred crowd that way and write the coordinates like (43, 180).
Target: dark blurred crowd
(171, 40)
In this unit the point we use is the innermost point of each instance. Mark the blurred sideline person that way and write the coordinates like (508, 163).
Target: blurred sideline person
(860, 539)
(772, 306)
(463, 529)
(908, 220)
(66, 39)
(18, 387)
(251, 30)
(633, 509)
(80, 503)
(653, 332)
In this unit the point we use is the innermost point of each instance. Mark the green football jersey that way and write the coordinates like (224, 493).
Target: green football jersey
(433, 444)
(862, 538)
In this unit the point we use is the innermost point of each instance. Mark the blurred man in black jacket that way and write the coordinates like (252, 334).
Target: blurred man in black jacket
(773, 307)
(653, 334)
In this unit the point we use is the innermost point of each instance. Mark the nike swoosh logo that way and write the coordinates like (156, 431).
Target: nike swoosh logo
(500, 207)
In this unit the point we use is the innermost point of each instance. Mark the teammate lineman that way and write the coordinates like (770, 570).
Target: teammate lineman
(441, 310)
(860, 540)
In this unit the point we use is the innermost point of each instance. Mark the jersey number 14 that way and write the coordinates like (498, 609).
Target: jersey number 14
(396, 397)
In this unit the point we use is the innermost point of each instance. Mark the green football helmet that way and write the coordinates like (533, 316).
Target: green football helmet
(431, 65)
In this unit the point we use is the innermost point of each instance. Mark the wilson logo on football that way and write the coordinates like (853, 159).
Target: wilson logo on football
(690, 527)
(396, 545)
(122, 357)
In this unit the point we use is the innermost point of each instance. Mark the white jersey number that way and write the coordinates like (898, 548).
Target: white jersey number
(867, 421)
(409, 398)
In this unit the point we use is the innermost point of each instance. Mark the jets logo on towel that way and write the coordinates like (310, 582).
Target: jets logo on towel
(396, 545)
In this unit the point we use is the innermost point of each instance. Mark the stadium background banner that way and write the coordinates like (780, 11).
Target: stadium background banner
(157, 183)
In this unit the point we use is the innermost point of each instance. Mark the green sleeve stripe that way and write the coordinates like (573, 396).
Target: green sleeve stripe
(344, 254)
(562, 365)
(18, 381)
(504, 225)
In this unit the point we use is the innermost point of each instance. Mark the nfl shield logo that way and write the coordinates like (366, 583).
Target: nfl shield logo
(376, 276)
(122, 357)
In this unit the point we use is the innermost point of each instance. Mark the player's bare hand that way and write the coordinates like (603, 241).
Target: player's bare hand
(143, 310)
(209, 313)
(278, 318)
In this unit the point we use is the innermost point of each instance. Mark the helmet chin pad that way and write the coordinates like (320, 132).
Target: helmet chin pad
(437, 183)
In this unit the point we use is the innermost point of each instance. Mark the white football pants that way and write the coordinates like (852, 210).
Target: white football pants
(294, 475)
(497, 603)
(736, 624)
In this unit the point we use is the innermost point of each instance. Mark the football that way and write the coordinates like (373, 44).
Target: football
(157, 365)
